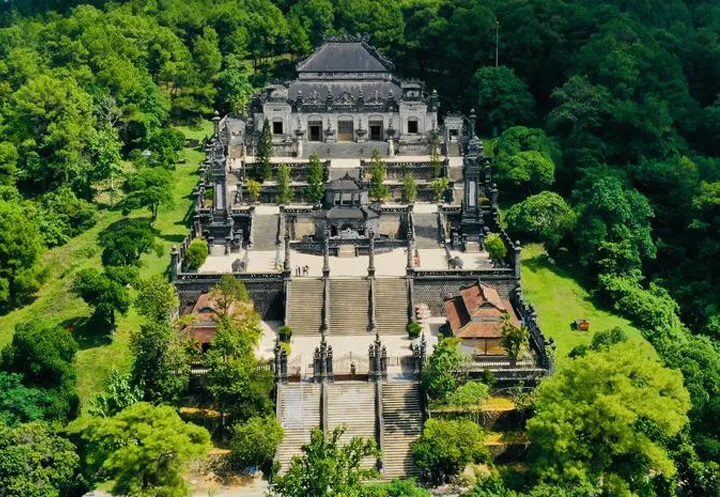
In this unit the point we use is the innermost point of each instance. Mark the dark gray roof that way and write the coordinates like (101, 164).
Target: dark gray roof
(346, 183)
(343, 56)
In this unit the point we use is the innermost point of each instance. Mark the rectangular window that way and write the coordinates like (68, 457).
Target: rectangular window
(412, 126)
(277, 128)
(315, 131)
(345, 131)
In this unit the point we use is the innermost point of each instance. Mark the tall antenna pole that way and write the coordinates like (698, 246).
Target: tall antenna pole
(497, 43)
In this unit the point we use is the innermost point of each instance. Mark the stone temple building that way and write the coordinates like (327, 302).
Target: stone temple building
(350, 272)
(345, 102)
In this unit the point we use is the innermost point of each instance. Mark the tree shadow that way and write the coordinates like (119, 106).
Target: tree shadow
(88, 331)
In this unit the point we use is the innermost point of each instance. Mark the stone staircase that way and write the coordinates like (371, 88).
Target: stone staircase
(402, 419)
(391, 304)
(426, 230)
(299, 413)
(349, 307)
(265, 231)
(305, 310)
(352, 404)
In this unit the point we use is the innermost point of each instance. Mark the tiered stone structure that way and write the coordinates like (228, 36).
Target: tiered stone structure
(348, 274)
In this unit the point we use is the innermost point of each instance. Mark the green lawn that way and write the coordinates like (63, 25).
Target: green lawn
(100, 354)
(559, 299)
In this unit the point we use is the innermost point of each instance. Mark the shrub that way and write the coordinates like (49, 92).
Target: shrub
(254, 441)
(196, 253)
(440, 185)
(285, 333)
(409, 188)
(414, 329)
(446, 447)
(253, 188)
(495, 247)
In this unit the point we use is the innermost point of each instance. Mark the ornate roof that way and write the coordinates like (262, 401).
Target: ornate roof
(478, 312)
(345, 55)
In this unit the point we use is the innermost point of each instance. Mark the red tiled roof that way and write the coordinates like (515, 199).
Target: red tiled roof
(478, 312)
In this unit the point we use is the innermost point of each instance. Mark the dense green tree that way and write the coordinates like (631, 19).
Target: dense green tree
(529, 170)
(315, 191)
(613, 225)
(238, 385)
(18, 403)
(235, 86)
(34, 461)
(61, 216)
(229, 292)
(469, 395)
(156, 299)
(495, 247)
(196, 253)
(103, 293)
(254, 442)
(514, 339)
(150, 188)
(327, 467)
(144, 450)
(503, 99)
(43, 354)
(160, 362)
(602, 418)
(543, 217)
(20, 248)
(444, 369)
(446, 447)
(125, 242)
(396, 488)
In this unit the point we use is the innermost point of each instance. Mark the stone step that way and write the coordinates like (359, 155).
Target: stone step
(265, 231)
(299, 413)
(391, 306)
(402, 418)
(352, 404)
(349, 307)
(305, 310)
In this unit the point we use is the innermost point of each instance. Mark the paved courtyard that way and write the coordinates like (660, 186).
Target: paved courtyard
(388, 264)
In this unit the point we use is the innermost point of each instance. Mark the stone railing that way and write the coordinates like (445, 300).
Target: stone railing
(542, 346)
(298, 170)
(395, 171)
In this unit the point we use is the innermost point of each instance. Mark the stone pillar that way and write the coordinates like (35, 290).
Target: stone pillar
(410, 254)
(175, 260)
(516, 260)
(211, 243)
(371, 264)
(283, 366)
(494, 197)
(326, 255)
(228, 240)
(287, 266)
(329, 364)
(371, 363)
(216, 123)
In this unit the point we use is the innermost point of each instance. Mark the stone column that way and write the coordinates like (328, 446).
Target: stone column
(494, 197)
(516, 260)
(326, 255)
(175, 260)
(371, 264)
(287, 266)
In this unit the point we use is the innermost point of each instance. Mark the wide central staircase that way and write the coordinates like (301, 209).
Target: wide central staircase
(265, 231)
(391, 306)
(349, 307)
(299, 413)
(402, 418)
(305, 309)
(426, 230)
(352, 404)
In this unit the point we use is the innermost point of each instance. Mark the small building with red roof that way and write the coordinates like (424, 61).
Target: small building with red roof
(477, 315)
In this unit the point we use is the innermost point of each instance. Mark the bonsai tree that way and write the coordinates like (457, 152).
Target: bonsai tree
(440, 185)
(196, 253)
(409, 188)
(285, 333)
(315, 190)
(264, 153)
(378, 191)
(414, 329)
(253, 188)
(495, 247)
(285, 192)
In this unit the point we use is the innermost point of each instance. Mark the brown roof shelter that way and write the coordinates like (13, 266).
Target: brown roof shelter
(479, 313)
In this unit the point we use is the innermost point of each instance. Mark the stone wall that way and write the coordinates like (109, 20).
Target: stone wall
(266, 291)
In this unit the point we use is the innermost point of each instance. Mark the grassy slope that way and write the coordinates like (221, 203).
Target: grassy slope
(99, 354)
(559, 299)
